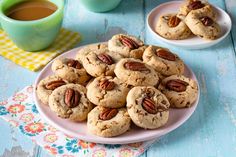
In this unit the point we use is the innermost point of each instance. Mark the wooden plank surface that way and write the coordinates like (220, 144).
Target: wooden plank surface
(211, 131)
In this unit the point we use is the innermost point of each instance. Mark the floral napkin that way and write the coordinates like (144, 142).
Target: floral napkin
(21, 112)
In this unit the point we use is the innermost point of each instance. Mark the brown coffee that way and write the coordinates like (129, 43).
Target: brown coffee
(31, 10)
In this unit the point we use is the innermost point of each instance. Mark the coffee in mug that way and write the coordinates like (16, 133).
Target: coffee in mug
(32, 25)
(31, 10)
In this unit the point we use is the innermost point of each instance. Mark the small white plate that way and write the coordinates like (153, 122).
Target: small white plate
(193, 42)
(135, 134)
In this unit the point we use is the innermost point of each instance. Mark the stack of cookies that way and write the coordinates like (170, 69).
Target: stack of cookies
(194, 17)
(112, 85)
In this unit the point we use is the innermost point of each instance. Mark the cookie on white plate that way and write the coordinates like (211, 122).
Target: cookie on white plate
(107, 91)
(70, 102)
(171, 27)
(180, 90)
(148, 107)
(136, 73)
(47, 85)
(127, 46)
(108, 122)
(70, 70)
(100, 62)
(86, 49)
(163, 61)
(202, 25)
(199, 5)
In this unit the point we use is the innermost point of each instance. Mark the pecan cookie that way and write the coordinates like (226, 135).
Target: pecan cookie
(148, 107)
(70, 102)
(163, 61)
(107, 91)
(108, 122)
(180, 91)
(70, 70)
(127, 45)
(100, 62)
(202, 25)
(135, 72)
(170, 26)
(47, 85)
(86, 49)
(192, 5)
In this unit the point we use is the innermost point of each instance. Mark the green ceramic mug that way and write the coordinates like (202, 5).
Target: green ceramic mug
(32, 35)
(100, 5)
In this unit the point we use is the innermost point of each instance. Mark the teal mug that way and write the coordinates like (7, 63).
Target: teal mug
(32, 35)
(100, 5)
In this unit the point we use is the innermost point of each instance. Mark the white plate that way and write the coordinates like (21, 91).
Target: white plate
(192, 42)
(79, 130)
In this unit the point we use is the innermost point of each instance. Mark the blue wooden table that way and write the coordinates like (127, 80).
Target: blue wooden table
(210, 132)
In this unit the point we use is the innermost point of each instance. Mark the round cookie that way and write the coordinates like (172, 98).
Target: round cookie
(136, 73)
(180, 91)
(192, 5)
(47, 85)
(107, 91)
(127, 45)
(148, 107)
(202, 25)
(70, 70)
(171, 27)
(100, 62)
(163, 61)
(70, 102)
(86, 49)
(108, 122)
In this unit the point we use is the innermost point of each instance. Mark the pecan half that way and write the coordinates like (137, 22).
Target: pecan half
(106, 85)
(129, 42)
(207, 21)
(136, 66)
(176, 85)
(108, 113)
(166, 55)
(72, 98)
(149, 106)
(195, 5)
(54, 84)
(174, 21)
(105, 58)
(74, 63)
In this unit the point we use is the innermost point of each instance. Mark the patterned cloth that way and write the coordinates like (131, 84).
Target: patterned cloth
(21, 112)
(36, 60)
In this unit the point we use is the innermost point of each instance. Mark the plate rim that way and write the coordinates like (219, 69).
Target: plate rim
(187, 46)
(117, 141)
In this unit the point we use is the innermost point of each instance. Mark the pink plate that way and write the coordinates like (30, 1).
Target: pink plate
(136, 134)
